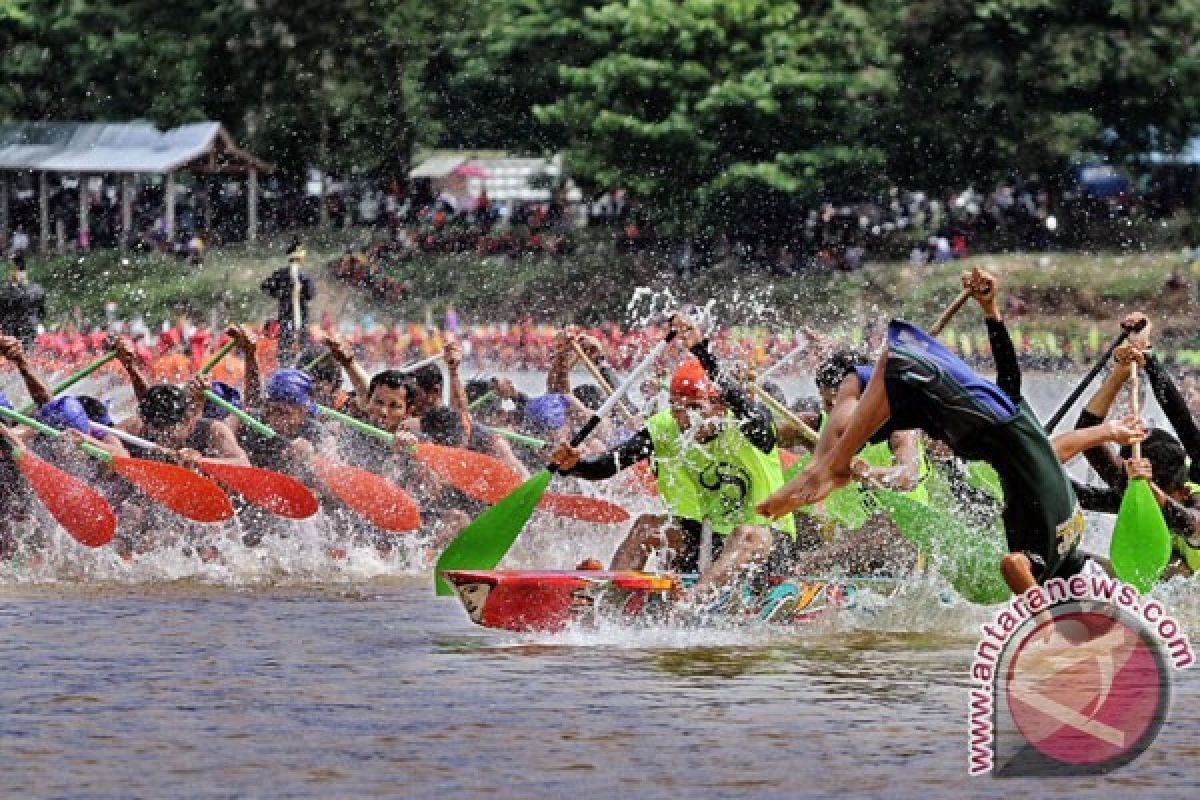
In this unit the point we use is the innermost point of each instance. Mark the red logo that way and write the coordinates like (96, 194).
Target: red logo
(1087, 691)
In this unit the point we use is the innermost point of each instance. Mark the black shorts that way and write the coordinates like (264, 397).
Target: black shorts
(782, 555)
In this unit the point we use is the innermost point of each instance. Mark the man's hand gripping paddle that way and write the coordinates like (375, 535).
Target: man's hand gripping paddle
(1141, 542)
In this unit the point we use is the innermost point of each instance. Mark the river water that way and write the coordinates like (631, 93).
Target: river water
(281, 673)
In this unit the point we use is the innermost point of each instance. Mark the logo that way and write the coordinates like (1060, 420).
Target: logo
(731, 484)
(1073, 678)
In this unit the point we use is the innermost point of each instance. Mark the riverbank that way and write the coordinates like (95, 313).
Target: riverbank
(1063, 293)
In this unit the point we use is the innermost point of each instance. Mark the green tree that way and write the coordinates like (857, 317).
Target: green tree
(711, 112)
(490, 75)
(990, 88)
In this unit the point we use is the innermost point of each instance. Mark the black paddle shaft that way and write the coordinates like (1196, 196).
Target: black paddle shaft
(1052, 423)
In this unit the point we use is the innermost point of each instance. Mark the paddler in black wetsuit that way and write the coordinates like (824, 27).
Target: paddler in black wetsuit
(1164, 462)
(917, 383)
(714, 453)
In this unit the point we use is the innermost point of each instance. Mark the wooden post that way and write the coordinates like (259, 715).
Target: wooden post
(126, 209)
(85, 235)
(43, 214)
(252, 206)
(169, 196)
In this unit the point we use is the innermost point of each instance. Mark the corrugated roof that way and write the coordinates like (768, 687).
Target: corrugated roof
(105, 147)
(437, 167)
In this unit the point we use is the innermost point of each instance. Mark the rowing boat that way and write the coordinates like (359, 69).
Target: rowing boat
(553, 600)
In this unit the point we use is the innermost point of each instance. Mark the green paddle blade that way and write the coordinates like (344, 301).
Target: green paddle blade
(843, 506)
(484, 542)
(1141, 543)
(981, 475)
(969, 559)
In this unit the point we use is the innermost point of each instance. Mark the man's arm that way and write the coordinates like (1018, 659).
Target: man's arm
(1107, 464)
(1069, 444)
(224, 445)
(558, 378)
(905, 473)
(39, 392)
(600, 467)
(983, 287)
(452, 358)
(247, 345)
(754, 419)
(129, 360)
(343, 354)
(1171, 400)
(1103, 500)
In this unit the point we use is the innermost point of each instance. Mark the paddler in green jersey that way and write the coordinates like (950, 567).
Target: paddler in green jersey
(714, 454)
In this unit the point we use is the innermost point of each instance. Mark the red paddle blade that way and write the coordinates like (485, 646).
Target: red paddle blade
(187, 493)
(280, 494)
(79, 508)
(587, 509)
(476, 475)
(378, 500)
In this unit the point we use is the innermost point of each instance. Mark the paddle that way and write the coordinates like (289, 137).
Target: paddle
(598, 376)
(950, 311)
(280, 494)
(212, 362)
(1126, 332)
(489, 537)
(575, 506)
(67, 383)
(381, 502)
(483, 398)
(190, 495)
(1141, 542)
(78, 508)
(478, 475)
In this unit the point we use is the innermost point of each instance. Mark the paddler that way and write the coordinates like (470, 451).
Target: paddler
(895, 461)
(1164, 464)
(715, 456)
(917, 383)
(16, 504)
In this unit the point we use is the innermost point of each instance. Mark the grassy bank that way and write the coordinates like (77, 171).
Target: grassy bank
(1061, 292)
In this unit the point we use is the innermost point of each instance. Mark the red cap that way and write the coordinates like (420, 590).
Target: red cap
(691, 381)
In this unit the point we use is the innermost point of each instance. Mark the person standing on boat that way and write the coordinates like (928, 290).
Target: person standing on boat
(294, 291)
(714, 454)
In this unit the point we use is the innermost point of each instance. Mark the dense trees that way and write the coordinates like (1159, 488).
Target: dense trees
(700, 107)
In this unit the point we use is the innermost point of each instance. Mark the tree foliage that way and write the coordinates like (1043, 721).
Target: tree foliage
(707, 110)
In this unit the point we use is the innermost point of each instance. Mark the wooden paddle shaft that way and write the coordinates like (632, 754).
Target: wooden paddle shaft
(1052, 423)
(1135, 402)
(950, 311)
(780, 410)
(599, 377)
